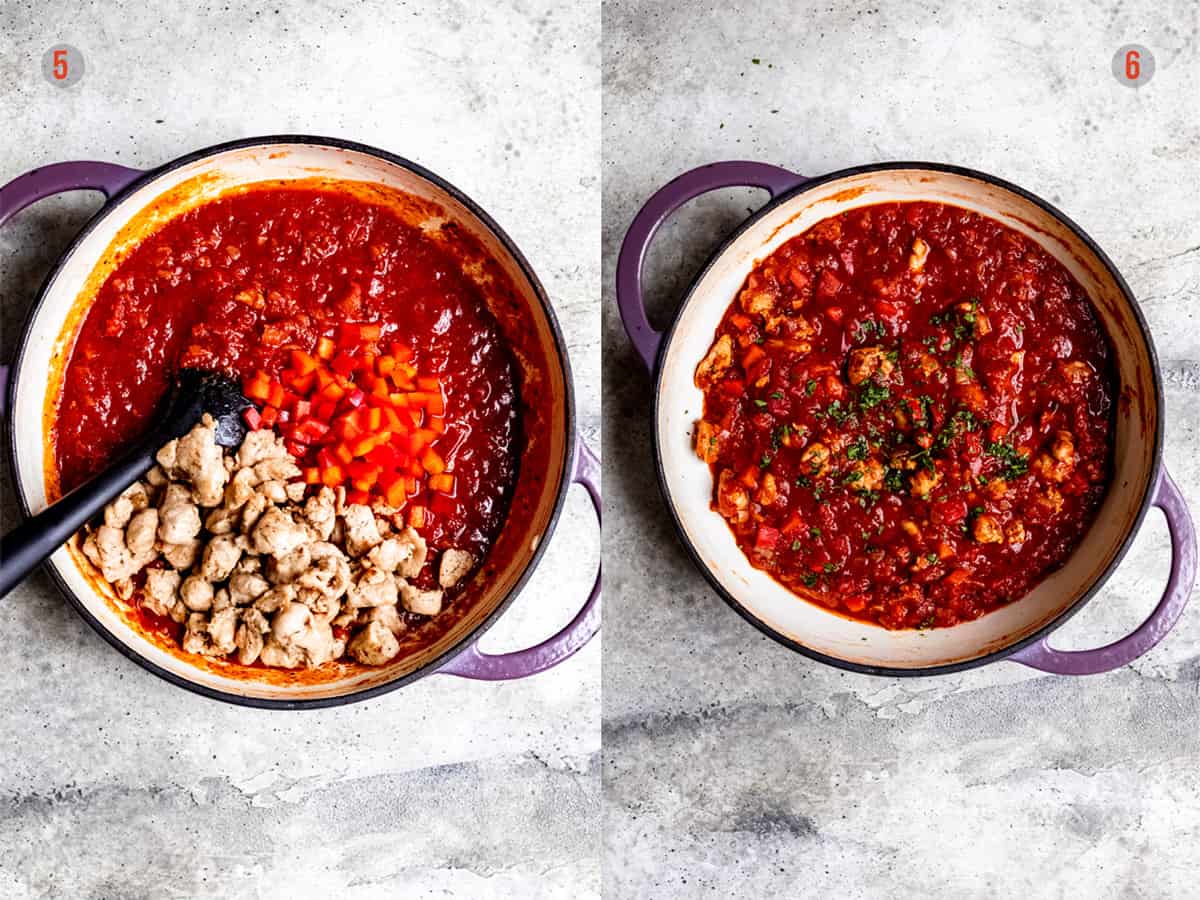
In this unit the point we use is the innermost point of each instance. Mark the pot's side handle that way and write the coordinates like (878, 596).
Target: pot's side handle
(1182, 578)
(34, 185)
(108, 178)
(665, 201)
(474, 663)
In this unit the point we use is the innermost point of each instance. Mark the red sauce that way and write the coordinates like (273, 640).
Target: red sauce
(915, 425)
(232, 284)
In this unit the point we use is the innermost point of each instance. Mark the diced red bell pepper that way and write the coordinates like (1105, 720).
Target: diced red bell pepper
(432, 463)
(252, 417)
(443, 482)
(766, 539)
(303, 363)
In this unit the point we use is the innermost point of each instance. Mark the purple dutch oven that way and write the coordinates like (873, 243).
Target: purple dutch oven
(1018, 632)
(197, 177)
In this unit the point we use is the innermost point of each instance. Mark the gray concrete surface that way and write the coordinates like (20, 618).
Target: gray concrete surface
(114, 784)
(734, 768)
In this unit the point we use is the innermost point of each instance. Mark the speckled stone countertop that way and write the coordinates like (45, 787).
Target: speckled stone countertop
(114, 784)
(735, 768)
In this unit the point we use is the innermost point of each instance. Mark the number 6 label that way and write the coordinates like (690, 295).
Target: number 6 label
(1133, 65)
(62, 65)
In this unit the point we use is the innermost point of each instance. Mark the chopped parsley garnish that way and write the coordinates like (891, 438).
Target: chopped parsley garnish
(830, 567)
(1015, 463)
(809, 579)
(803, 481)
(765, 461)
(796, 545)
(931, 558)
(776, 395)
(814, 532)
(852, 477)
(760, 403)
(894, 480)
(811, 387)
(859, 449)
(872, 395)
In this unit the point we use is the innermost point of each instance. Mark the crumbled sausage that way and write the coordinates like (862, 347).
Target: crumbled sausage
(160, 590)
(421, 602)
(196, 594)
(141, 531)
(373, 645)
(923, 482)
(178, 517)
(815, 459)
(454, 565)
(374, 587)
(918, 255)
(361, 531)
(867, 362)
(733, 500)
(716, 361)
(987, 530)
(220, 556)
(708, 441)
(277, 533)
(257, 566)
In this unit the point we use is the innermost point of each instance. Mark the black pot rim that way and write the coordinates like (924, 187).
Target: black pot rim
(569, 450)
(1097, 583)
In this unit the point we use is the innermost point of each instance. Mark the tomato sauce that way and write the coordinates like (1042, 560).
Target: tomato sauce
(908, 414)
(234, 283)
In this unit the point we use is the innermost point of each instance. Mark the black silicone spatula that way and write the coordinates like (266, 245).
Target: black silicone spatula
(196, 392)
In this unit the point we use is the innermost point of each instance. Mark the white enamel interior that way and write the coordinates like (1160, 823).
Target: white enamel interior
(228, 170)
(689, 483)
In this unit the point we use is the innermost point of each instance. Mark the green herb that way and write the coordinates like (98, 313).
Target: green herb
(894, 480)
(776, 395)
(756, 60)
(926, 409)
(760, 403)
(809, 579)
(852, 477)
(811, 387)
(931, 558)
(868, 498)
(1015, 463)
(803, 481)
(872, 395)
(814, 532)
(796, 545)
(836, 412)
(765, 461)
(830, 567)
(926, 624)
(859, 449)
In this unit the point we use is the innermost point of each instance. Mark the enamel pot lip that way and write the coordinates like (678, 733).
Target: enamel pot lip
(569, 445)
(1147, 489)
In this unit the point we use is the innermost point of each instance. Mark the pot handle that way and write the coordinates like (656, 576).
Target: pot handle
(665, 201)
(36, 184)
(1040, 655)
(474, 663)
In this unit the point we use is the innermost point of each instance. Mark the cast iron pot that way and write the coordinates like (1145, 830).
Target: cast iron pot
(188, 180)
(1017, 632)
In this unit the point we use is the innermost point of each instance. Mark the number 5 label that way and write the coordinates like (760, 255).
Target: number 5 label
(62, 65)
